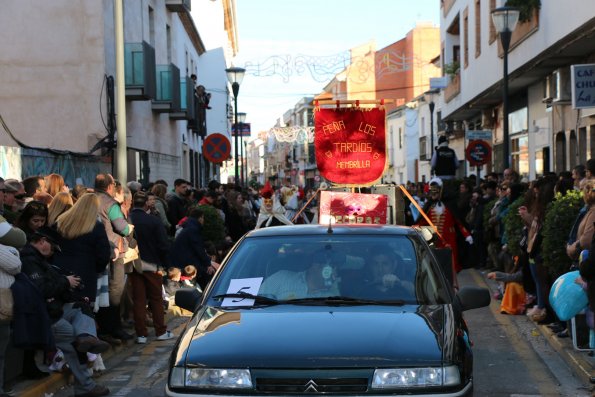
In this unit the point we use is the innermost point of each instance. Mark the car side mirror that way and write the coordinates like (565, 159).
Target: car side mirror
(473, 297)
(187, 298)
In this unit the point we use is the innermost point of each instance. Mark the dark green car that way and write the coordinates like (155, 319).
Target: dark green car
(342, 310)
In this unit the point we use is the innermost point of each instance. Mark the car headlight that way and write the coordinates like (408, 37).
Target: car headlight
(210, 378)
(392, 378)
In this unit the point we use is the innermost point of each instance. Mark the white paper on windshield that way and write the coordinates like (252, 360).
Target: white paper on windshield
(242, 285)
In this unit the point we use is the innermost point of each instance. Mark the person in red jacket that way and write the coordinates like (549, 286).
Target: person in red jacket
(445, 223)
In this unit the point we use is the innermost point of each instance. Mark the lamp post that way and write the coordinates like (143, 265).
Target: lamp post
(245, 163)
(505, 20)
(235, 77)
(239, 128)
(429, 97)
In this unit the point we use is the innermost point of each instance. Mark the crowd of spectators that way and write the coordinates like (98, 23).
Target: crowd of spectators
(501, 206)
(95, 263)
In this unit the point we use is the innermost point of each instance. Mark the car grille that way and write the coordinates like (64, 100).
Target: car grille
(311, 385)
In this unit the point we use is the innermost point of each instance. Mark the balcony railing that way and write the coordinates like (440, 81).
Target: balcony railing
(178, 5)
(139, 71)
(453, 88)
(187, 109)
(167, 96)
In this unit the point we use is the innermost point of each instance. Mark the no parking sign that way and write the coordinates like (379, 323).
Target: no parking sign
(478, 153)
(216, 148)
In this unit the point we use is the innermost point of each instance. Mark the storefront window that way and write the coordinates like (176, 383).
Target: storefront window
(520, 154)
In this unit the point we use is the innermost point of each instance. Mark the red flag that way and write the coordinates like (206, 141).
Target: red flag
(350, 145)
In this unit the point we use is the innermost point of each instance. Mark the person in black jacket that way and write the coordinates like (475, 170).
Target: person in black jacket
(147, 281)
(444, 160)
(177, 203)
(73, 331)
(85, 248)
(189, 249)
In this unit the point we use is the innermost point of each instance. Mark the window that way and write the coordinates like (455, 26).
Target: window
(466, 37)
(477, 28)
(400, 138)
(520, 154)
(493, 33)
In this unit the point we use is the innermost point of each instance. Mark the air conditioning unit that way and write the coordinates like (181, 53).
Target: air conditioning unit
(558, 88)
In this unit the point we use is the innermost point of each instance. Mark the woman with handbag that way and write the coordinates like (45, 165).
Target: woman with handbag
(85, 249)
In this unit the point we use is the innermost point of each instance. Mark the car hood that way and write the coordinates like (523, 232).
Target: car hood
(299, 336)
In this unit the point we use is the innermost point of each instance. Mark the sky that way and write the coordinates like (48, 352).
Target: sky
(276, 33)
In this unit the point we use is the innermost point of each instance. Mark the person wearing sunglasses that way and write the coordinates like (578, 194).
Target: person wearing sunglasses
(14, 199)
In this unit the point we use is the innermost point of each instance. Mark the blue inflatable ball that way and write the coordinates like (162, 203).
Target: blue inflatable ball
(568, 298)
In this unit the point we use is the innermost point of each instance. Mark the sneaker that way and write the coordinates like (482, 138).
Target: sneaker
(165, 336)
(141, 340)
(538, 315)
(531, 311)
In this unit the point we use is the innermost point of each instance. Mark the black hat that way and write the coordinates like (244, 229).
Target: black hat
(442, 139)
(48, 234)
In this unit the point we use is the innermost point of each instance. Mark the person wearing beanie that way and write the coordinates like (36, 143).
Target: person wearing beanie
(10, 235)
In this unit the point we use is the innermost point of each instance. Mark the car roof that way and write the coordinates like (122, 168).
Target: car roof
(310, 230)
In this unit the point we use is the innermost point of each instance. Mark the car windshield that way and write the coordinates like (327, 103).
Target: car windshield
(348, 269)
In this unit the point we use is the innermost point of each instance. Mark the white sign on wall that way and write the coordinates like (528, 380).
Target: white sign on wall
(583, 86)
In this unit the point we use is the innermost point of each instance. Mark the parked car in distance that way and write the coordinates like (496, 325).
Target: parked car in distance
(337, 310)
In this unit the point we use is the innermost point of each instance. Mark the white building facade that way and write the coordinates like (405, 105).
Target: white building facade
(545, 133)
(58, 96)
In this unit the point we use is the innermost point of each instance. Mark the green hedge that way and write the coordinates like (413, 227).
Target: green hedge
(560, 216)
(513, 227)
(213, 229)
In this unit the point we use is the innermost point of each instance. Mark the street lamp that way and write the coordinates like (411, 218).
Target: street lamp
(505, 20)
(429, 98)
(235, 77)
(239, 129)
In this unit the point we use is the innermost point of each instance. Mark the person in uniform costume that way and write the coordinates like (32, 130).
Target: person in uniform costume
(445, 221)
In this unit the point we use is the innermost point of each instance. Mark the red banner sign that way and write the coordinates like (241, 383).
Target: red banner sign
(341, 208)
(350, 145)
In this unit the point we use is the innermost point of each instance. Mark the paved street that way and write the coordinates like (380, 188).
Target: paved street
(505, 347)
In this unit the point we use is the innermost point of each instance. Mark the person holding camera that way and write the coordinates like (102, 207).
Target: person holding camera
(85, 248)
(73, 331)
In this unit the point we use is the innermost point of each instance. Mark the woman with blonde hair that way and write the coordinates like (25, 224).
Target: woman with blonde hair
(59, 204)
(84, 247)
(54, 184)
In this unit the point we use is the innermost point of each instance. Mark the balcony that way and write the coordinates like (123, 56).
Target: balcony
(139, 71)
(167, 96)
(453, 88)
(178, 5)
(187, 109)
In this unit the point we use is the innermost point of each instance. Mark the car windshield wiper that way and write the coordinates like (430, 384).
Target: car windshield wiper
(240, 296)
(341, 300)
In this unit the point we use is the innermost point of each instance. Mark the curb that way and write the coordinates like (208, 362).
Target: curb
(578, 361)
(58, 380)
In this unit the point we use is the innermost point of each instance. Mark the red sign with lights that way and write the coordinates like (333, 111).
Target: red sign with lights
(352, 208)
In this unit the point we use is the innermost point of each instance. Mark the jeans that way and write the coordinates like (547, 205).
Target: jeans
(73, 323)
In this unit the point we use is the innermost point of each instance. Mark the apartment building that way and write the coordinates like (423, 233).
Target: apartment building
(58, 97)
(545, 133)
